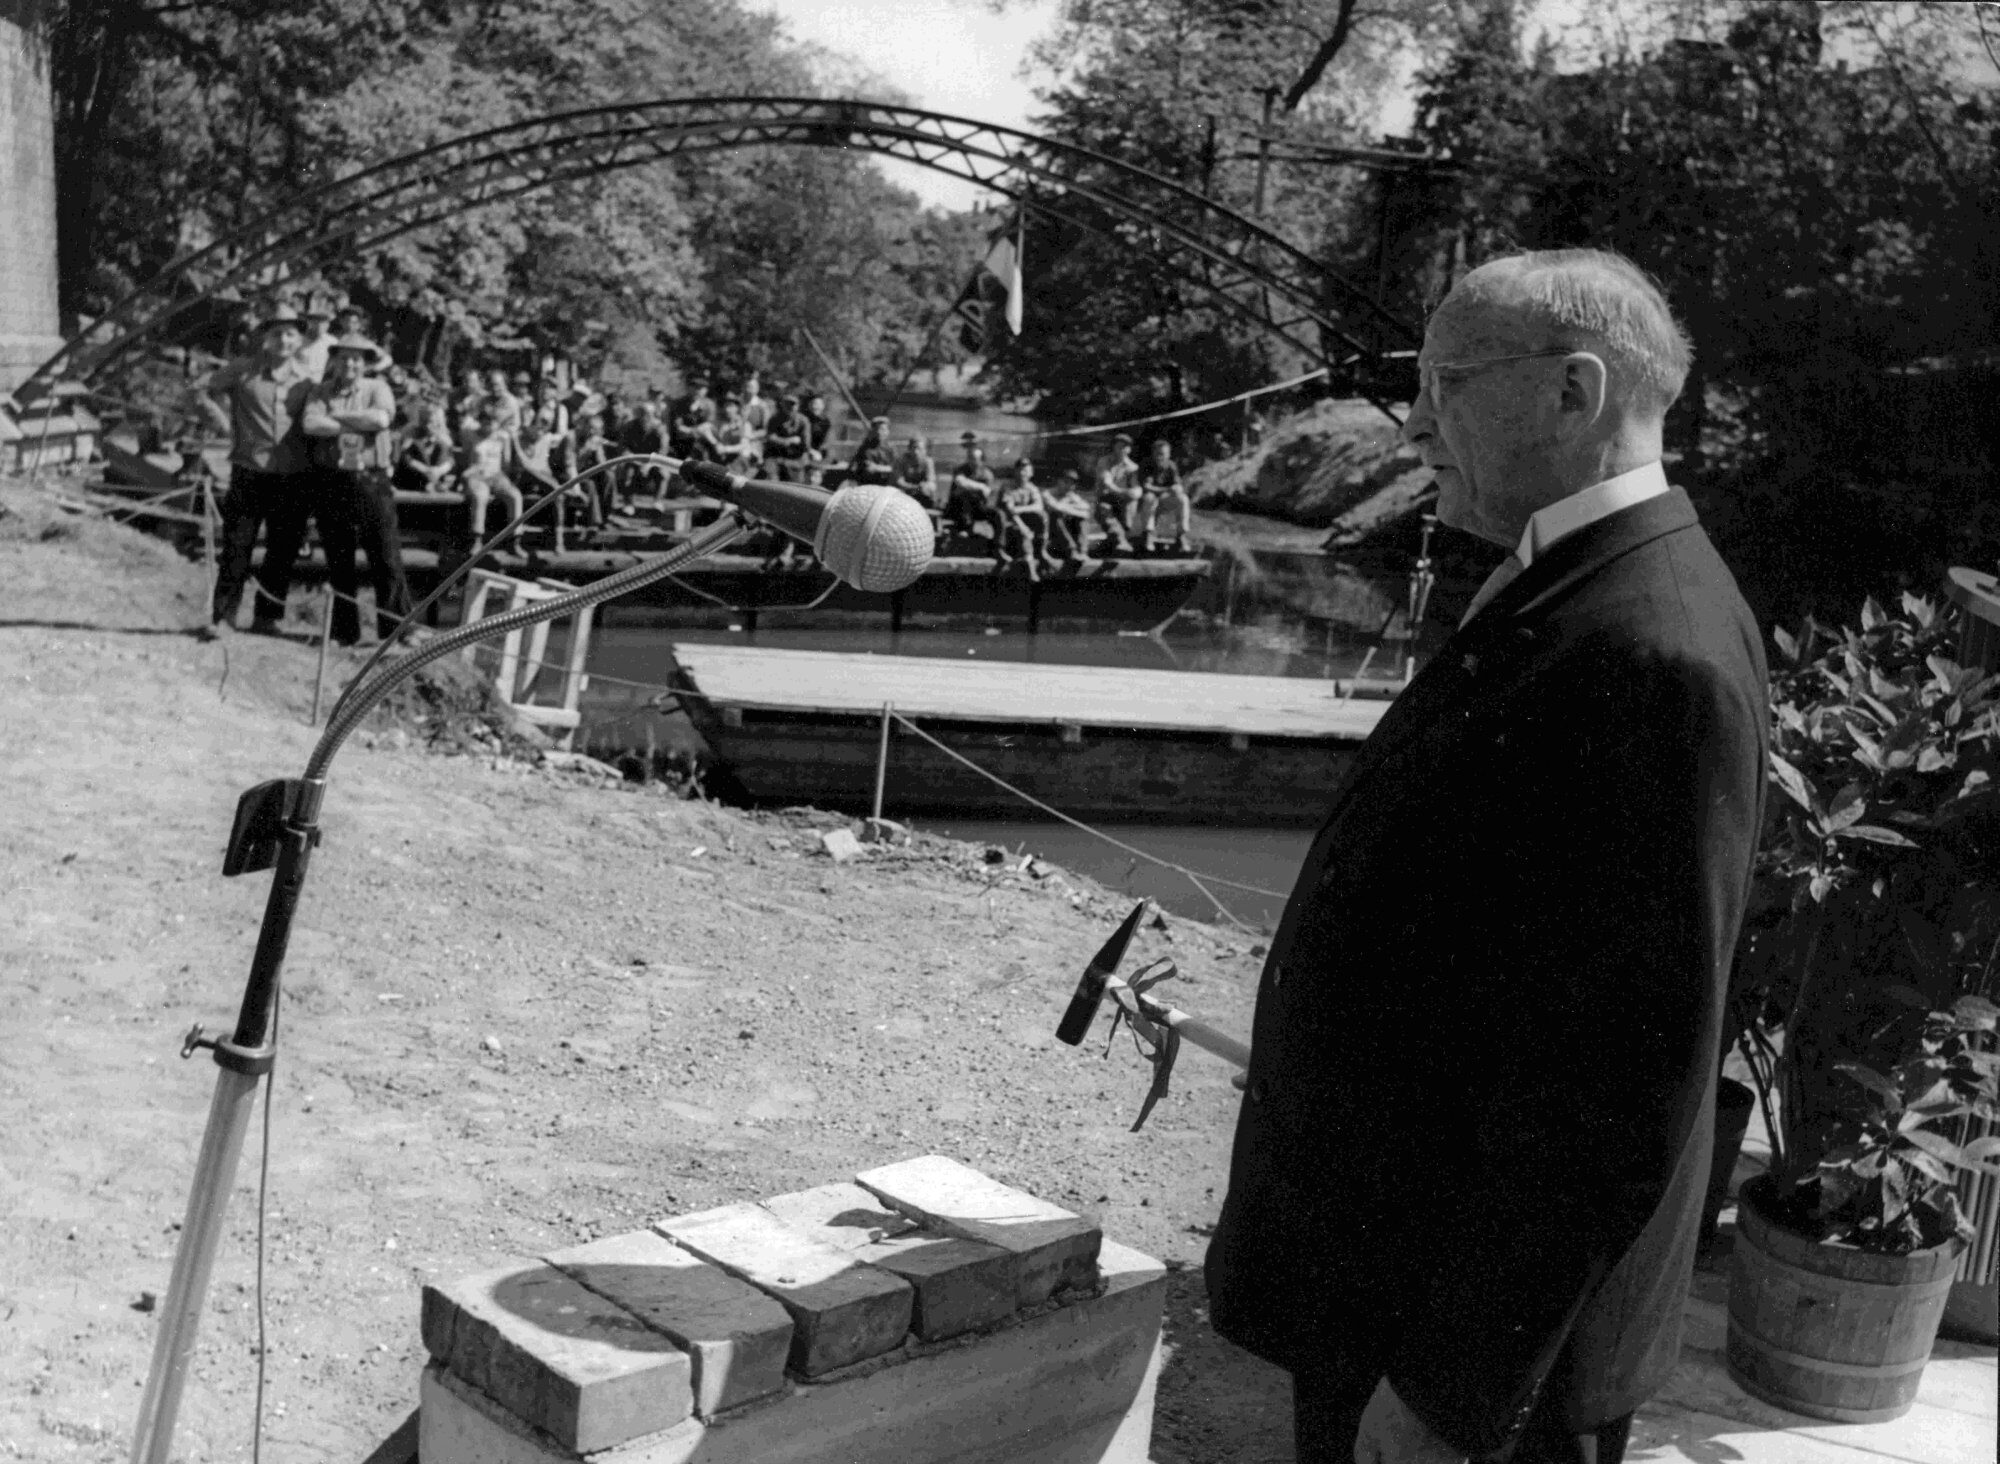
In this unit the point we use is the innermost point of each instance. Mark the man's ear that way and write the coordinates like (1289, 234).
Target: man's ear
(1586, 387)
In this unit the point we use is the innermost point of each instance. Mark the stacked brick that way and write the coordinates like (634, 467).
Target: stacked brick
(922, 1313)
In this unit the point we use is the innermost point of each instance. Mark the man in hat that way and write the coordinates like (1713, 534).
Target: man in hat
(257, 398)
(350, 453)
(318, 339)
(970, 501)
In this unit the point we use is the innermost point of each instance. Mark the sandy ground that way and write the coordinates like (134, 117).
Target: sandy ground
(522, 1008)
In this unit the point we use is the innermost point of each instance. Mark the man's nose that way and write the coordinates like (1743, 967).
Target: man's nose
(1417, 426)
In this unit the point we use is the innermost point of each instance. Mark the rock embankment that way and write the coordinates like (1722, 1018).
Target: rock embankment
(1337, 465)
(1340, 469)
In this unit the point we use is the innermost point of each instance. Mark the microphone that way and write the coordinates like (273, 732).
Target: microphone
(871, 536)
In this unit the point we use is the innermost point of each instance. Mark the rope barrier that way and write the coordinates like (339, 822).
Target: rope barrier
(1190, 875)
(1242, 396)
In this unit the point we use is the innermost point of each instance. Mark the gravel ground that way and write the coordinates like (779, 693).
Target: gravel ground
(524, 1007)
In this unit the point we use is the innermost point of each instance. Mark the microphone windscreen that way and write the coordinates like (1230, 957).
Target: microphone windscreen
(875, 537)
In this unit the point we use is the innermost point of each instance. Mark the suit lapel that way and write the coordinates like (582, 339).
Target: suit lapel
(1452, 673)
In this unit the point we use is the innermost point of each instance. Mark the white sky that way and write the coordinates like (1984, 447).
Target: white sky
(952, 56)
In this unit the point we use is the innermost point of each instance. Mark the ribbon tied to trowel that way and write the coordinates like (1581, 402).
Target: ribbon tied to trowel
(1157, 1042)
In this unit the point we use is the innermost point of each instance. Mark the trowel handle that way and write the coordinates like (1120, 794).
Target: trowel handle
(1192, 1029)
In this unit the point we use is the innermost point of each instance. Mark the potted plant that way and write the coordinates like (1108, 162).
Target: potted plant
(1841, 1271)
(1876, 905)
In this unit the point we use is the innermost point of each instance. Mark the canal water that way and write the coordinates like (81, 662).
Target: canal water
(627, 661)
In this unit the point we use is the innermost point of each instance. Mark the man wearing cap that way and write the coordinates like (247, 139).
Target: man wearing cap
(785, 441)
(874, 462)
(258, 398)
(349, 453)
(690, 418)
(1117, 492)
(819, 428)
(971, 499)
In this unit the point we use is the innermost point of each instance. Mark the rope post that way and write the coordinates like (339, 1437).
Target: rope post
(325, 640)
(882, 759)
(208, 537)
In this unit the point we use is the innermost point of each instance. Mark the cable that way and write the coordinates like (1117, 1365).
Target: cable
(263, 1192)
(1242, 396)
(1028, 798)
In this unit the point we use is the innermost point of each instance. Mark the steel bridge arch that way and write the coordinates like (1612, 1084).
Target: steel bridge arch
(1244, 266)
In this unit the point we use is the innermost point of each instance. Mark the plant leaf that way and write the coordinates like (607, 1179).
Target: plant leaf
(1793, 782)
(1786, 643)
(1875, 834)
(1976, 1013)
(1926, 1163)
(1888, 1092)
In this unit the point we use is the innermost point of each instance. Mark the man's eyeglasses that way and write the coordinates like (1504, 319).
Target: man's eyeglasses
(1466, 370)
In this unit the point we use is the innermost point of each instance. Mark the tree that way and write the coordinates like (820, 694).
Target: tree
(179, 120)
(1807, 185)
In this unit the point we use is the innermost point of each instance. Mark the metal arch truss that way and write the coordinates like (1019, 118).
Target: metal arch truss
(1242, 265)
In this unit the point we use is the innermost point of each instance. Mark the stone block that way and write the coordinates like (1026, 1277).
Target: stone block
(961, 1285)
(735, 1335)
(1072, 1385)
(843, 1310)
(568, 1362)
(1055, 1247)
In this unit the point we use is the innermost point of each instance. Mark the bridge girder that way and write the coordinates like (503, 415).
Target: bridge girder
(1246, 268)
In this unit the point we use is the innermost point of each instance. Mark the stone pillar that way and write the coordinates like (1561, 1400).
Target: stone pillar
(29, 328)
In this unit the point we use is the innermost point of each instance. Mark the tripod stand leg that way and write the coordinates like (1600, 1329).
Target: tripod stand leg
(180, 1318)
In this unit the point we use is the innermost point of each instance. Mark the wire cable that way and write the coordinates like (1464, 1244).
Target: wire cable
(263, 1194)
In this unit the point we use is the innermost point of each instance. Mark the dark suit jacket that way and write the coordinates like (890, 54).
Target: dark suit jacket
(1478, 1116)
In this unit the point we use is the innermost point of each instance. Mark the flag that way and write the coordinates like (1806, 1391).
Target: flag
(971, 312)
(1003, 262)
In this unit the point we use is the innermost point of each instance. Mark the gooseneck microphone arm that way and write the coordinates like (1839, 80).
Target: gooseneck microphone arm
(277, 828)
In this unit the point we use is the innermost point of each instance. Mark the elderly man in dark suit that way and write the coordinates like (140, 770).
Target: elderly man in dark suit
(1469, 1165)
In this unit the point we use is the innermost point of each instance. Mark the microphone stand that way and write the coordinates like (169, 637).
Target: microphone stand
(277, 827)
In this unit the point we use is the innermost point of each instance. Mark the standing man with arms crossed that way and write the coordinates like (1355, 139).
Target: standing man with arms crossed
(257, 399)
(1468, 1173)
(351, 453)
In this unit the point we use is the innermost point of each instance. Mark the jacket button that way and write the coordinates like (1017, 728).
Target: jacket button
(1257, 1091)
(1277, 975)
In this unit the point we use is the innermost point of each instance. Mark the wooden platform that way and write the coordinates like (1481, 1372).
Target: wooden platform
(1025, 694)
(1104, 744)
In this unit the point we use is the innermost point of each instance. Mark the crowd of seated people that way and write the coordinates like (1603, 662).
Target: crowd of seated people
(1129, 513)
(498, 439)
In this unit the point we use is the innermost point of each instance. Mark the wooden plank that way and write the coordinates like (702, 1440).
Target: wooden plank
(842, 684)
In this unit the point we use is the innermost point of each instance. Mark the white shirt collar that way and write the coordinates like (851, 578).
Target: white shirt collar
(1600, 500)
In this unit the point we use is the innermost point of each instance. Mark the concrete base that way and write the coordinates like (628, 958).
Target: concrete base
(1071, 1385)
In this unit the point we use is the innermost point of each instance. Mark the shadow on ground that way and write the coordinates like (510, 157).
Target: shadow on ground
(1217, 1403)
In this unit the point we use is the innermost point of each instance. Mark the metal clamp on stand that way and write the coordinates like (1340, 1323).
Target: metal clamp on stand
(252, 1062)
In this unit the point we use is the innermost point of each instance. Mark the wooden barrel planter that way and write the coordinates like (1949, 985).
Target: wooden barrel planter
(1826, 1330)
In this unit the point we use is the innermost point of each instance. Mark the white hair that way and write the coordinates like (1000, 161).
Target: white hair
(1589, 298)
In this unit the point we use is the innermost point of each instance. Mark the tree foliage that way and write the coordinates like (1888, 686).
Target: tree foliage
(179, 120)
(1811, 185)
(1185, 89)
